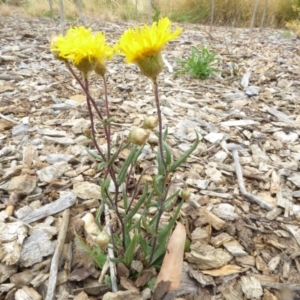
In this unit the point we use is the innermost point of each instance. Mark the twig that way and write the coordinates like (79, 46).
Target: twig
(57, 254)
(281, 286)
(239, 175)
(9, 119)
(112, 266)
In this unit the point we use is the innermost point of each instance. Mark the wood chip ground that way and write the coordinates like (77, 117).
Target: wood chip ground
(243, 216)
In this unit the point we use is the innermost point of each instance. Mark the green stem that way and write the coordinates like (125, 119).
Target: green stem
(108, 137)
(92, 120)
(160, 130)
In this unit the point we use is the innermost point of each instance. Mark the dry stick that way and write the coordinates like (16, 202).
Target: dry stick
(62, 17)
(254, 15)
(57, 254)
(264, 15)
(112, 266)
(149, 11)
(212, 8)
(281, 286)
(51, 8)
(8, 119)
(239, 175)
(80, 11)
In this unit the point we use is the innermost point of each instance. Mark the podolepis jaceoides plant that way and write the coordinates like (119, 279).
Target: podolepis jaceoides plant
(140, 237)
(200, 64)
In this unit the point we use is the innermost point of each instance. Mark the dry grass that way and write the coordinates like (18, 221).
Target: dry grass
(233, 12)
(227, 12)
(9, 10)
(107, 9)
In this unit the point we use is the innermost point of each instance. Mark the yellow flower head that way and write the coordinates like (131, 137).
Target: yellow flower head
(83, 48)
(143, 45)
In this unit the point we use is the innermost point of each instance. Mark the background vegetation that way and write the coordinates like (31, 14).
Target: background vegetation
(227, 12)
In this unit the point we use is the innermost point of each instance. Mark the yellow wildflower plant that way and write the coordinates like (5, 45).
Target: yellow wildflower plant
(143, 45)
(84, 49)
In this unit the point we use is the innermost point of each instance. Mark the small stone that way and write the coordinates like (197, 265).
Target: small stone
(59, 157)
(20, 129)
(87, 190)
(62, 106)
(220, 156)
(225, 211)
(23, 184)
(58, 140)
(53, 172)
(80, 126)
(214, 137)
(52, 132)
(252, 91)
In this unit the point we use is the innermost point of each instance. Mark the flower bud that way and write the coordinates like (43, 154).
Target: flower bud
(150, 122)
(151, 66)
(185, 194)
(86, 65)
(138, 136)
(102, 239)
(100, 69)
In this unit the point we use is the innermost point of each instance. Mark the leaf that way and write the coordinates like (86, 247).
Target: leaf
(129, 253)
(224, 271)
(102, 165)
(138, 205)
(169, 200)
(93, 154)
(168, 153)
(128, 161)
(185, 155)
(161, 169)
(156, 180)
(98, 215)
(96, 253)
(162, 237)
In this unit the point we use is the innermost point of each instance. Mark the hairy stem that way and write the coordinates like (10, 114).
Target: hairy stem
(160, 130)
(92, 121)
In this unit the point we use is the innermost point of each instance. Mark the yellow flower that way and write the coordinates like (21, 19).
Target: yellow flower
(143, 46)
(83, 48)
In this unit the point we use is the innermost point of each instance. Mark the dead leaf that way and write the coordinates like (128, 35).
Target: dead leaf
(224, 271)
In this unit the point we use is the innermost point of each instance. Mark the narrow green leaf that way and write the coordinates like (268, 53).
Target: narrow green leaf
(165, 135)
(98, 215)
(185, 155)
(161, 169)
(129, 253)
(96, 253)
(125, 199)
(138, 205)
(104, 188)
(163, 236)
(102, 165)
(147, 227)
(156, 183)
(123, 171)
(146, 248)
(116, 260)
(168, 153)
(169, 200)
(93, 154)
(137, 154)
